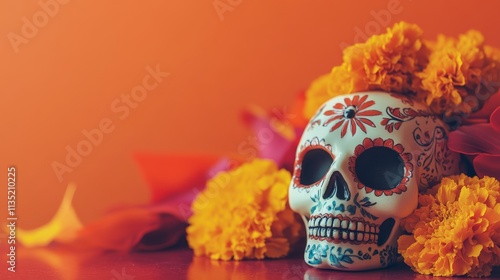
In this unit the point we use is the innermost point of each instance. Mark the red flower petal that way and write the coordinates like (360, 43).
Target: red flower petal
(169, 175)
(491, 105)
(475, 139)
(495, 119)
(367, 122)
(398, 125)
(118, 231)
(389, 143)
(408, 165)
(344, 129)
(487, 165)
(332, 119)
(355, 100)
(358, 150)
(339, 106)
(282, 135)
(361, 125)
(353, 127)
(366, 105)
(337, 125)
(398, 148)
(378, 142)
(367, 143)
(166, 235)
(329, 113)
(368, 113)
(347, 101)
(361, 103)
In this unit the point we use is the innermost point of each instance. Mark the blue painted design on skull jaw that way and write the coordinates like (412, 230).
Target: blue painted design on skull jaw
(341, 257)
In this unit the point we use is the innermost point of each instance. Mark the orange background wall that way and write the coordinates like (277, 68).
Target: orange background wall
(65, 78)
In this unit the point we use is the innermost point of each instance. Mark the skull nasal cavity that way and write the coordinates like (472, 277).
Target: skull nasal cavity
(315, 164)
(337, 187)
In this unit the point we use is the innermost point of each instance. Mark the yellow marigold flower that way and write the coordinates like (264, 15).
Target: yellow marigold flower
(453, 76)
(244, 214)
(461, 74)
(384, 62)
(346, 77)
(456, 228)
(392, 58)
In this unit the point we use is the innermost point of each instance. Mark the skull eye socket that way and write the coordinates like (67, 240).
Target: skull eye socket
(380, 168)
(315, 164)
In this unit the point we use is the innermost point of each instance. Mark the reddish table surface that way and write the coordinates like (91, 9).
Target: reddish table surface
(179, 263)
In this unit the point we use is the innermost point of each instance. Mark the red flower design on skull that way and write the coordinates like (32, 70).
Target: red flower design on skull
(352, 113)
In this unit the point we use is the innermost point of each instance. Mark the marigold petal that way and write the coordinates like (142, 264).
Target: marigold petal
(243, 213)
(452, 228)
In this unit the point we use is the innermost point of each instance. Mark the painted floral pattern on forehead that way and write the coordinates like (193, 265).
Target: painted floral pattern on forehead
(352, 113)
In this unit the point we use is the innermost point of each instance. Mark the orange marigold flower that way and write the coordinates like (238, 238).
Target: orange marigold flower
(392, 58)
(461, 74)
(384, 62)
(456, 228)
(244, 214)
(453, 76)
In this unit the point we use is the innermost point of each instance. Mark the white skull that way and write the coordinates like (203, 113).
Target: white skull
(358, 169)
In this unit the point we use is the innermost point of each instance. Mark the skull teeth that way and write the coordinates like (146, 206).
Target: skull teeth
(341, 229)
(322, 223)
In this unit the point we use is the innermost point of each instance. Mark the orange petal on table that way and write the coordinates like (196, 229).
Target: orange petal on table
(63, 226)
(117, 231)
(169, 175)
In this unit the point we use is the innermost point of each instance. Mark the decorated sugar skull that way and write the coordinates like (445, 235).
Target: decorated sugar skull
(359, 166)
